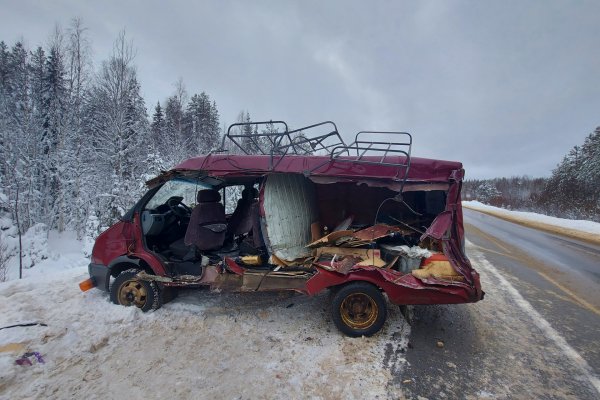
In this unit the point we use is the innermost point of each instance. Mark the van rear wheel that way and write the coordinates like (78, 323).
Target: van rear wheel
(128, 290)
(359, 309)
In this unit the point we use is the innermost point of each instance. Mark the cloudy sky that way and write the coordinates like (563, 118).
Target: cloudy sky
(506, 87)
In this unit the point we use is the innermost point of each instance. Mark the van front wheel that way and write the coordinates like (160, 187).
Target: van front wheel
(359, 309)
(128, 290)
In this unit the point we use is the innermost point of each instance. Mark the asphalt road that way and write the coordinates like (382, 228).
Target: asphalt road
(535, 335)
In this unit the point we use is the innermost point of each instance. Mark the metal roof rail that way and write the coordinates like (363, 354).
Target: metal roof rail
(357, 151)
(254, 142)
(363, 150)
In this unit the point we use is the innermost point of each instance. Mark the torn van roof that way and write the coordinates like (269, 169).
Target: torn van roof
(420, 169)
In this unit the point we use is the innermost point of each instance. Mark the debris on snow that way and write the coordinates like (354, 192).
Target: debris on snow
(30, 358)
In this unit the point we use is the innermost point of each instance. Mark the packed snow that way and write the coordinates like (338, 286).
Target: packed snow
(583, 226)
(202, 345)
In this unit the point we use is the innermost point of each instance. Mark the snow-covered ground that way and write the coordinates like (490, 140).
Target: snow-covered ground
(561, 224)
(46, 252)
(202, 345)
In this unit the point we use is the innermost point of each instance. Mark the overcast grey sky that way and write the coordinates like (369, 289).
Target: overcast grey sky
(506, 87)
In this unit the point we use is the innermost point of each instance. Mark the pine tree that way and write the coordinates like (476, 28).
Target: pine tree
(3, 64)
(488, 193)
(201, 123)
(249, 141)
(54, 110)
(37, 71)
(572, 189)
(5, 106)
(157, 128)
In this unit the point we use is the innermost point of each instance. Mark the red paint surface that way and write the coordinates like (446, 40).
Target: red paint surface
(110, 244)
(401, 289)
(421, 169)
(125, 238)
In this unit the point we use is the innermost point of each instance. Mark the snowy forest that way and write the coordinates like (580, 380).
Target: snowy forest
(572, 191)
(76, 141)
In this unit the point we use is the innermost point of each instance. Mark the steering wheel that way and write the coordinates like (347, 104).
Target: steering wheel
(178, 207)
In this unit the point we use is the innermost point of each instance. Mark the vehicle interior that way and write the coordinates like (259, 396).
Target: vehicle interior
(193, 219)
(189, 223)
(187, 219)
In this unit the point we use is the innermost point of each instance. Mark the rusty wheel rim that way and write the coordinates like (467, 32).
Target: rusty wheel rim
(359, 311)
(133, 293)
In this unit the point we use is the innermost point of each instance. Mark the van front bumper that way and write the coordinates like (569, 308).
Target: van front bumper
(100, 274)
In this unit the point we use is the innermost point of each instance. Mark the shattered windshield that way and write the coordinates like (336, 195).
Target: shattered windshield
(177, 187)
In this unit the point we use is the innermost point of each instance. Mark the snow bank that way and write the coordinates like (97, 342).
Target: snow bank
(45, 252)
(577, 228)
(202, 345)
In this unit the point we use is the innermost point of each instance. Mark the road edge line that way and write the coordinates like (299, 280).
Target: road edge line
(541, 322)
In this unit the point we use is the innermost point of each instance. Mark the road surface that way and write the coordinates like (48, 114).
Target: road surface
(535, 335)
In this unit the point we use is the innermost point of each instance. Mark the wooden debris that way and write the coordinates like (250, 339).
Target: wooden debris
(347, 251)
(287, 263)
(331, 238)
(365, 257)
(12, 348)
(375, 261)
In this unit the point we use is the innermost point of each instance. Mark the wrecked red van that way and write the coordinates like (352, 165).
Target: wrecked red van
(286, 210)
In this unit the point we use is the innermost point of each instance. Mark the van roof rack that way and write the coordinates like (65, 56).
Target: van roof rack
(272, 141)
(368, 147)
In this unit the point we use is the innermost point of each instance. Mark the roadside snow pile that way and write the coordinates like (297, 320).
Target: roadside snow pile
(201, 345)
(43, 252)
(589, 227)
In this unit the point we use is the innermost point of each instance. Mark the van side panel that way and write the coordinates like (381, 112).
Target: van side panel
(403, 290)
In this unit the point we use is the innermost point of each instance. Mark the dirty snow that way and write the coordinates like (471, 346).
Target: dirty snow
(577, 225)
(202, 345)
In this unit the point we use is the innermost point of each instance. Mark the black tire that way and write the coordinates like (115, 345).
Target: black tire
(359, 309)
(128, 290)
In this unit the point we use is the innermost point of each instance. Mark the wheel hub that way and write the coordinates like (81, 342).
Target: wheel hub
(132, 293)
(359, 311)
